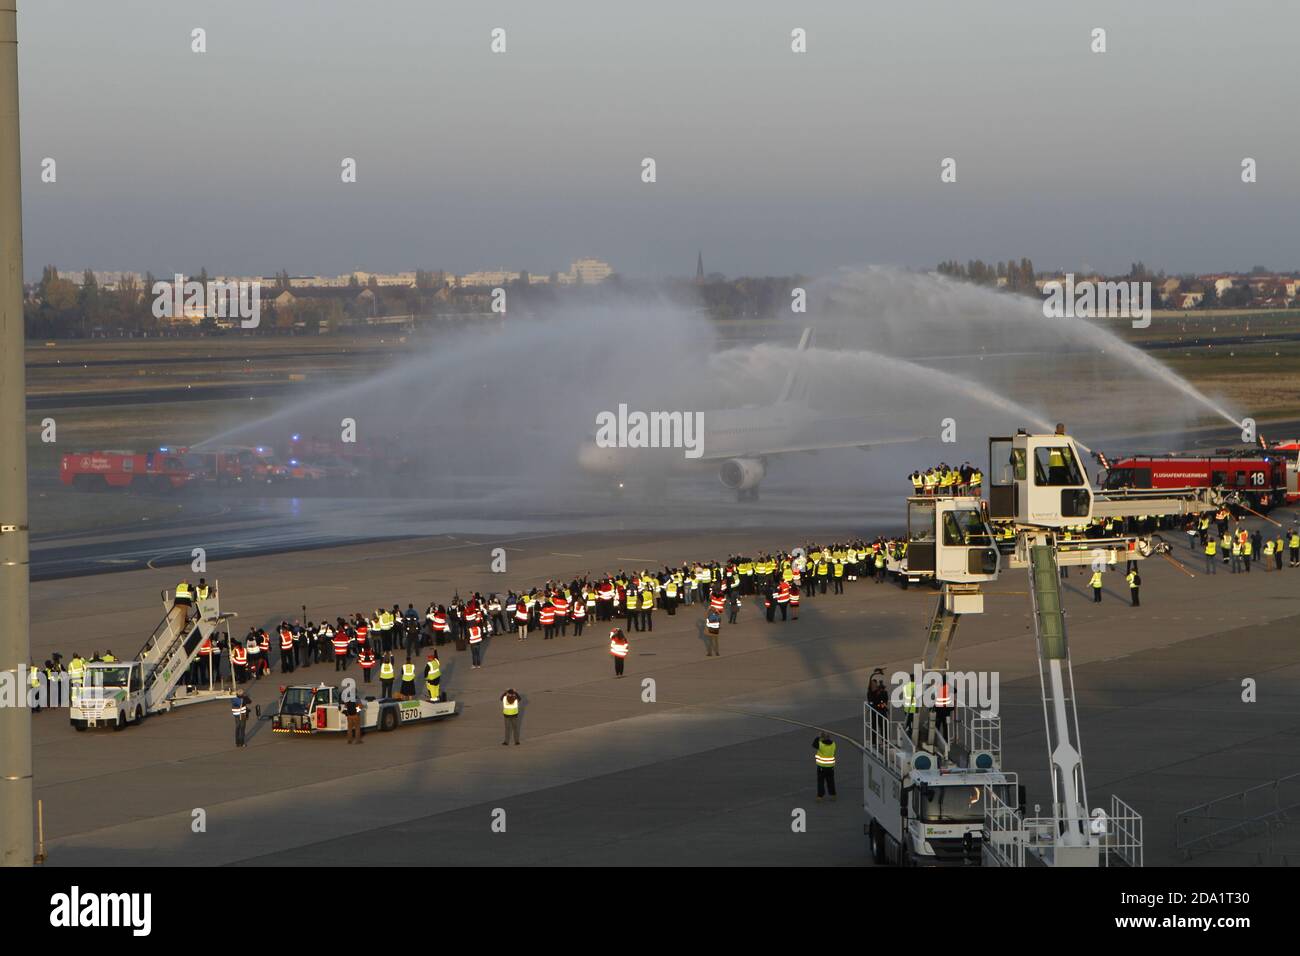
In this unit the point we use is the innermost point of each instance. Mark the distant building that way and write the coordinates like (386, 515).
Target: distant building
(1221, 282)
(490, 278)
(403, 279)
(586, 272)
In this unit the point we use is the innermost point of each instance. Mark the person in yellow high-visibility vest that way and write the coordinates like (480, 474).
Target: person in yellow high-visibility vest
(1095, 584)
(1134, 586)
(408, 680)
(1211, 548)
(824, 747)
(510, 711)
(183, 597)
(433, 676)
(387, 674)
(909, 703)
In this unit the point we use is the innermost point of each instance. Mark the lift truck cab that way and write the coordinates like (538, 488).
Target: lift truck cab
(950, 540)
(925, 807)
(1039, 480)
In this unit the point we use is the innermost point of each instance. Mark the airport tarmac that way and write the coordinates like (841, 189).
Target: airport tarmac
(708, 772)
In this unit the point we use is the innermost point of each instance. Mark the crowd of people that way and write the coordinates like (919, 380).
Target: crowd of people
(1222, 539)
(943, 479)
(390, 641)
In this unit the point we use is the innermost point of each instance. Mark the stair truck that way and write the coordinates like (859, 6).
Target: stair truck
(125, 692)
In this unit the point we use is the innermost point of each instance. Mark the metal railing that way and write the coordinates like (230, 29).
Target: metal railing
(1009, 837)
(1122, 843)
(1004, 832)
(1260, 810)
(978, 731)
(881, 735)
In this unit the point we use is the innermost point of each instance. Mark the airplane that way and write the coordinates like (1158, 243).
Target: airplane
(738, 442)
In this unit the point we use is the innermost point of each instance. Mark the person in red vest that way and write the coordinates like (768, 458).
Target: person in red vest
(944, 704)
(202, 663)
(561, 604)
(521, 618)
(367, 661)
(264, 641)
(618, 646)
(604, 599)
(476, 645)
(783, 597)
(286, 648)
(548, 620)
(579, 615)
(794, 603)
(717, 602)
(341, 641)
(239, 661)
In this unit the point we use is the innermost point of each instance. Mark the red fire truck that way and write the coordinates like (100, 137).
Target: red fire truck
(161, 470)
(1262, 480)
(346, 460)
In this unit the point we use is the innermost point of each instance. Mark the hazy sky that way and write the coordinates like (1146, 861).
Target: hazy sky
(771, 162)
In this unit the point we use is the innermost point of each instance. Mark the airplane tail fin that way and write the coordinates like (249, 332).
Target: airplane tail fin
(793, 380)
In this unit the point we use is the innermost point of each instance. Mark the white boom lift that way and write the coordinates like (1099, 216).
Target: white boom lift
(126, 692)
(1039, 485)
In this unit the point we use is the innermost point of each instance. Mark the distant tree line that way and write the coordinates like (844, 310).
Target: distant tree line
(1018, 276)
(59, 307)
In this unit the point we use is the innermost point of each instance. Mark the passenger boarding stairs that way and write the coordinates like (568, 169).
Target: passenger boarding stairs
(167, 655)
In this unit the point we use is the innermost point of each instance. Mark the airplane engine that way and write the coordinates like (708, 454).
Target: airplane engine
(742, 474)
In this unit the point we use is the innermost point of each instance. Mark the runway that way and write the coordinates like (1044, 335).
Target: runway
(246, 523)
